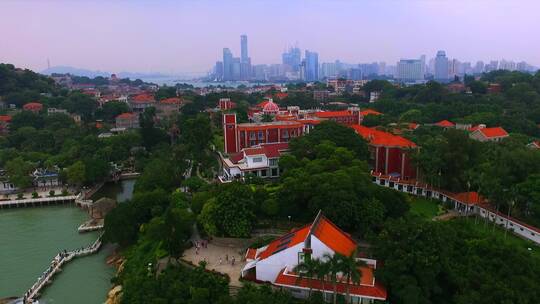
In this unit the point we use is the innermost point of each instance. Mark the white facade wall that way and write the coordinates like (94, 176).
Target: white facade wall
(319, 248)
(253, 165)
(269, 268)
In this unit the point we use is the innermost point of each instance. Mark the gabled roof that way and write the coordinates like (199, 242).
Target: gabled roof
(445, 124)
(333, 237)
(289, 240)
(493, 132)
(380, 138)
(322, 228)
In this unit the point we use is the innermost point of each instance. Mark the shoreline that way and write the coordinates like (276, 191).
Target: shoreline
(116, 260)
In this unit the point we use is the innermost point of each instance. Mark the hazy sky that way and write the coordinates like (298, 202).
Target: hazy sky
(188, 36)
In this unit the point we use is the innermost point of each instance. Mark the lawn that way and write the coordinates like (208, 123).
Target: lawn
(425, 208)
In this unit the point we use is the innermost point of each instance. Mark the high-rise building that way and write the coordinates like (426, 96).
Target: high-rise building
(243, 48)
(409, 70)
(236, 69)
(312, 66)
(441, 67)
(292, 58)
(454, 67)
(218, 71)
(479, 67)
(424, 69)
(245, 61)
(382, 68)
(227, 64)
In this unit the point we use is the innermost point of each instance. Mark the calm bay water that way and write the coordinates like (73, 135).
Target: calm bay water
(31, 237)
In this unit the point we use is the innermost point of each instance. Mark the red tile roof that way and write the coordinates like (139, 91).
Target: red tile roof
(369, 112)
(376, 291)
(493, 132)
(273, 150)
(472, 198)
(333, 237)
(251, 253)
(445, 124)
(172, 100)
(296, 237)
(281, 95)
(5, 118)
(33, 106)
(143, 98)
(270, 150)
(330, 114)
(381, 138)
(413, 126)
(126, 116)
(326, 231)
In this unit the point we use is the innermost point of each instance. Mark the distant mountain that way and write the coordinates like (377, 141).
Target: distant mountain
(74, 71)
(148, 77)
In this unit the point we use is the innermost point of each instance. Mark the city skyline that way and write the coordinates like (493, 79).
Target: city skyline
(173, 38)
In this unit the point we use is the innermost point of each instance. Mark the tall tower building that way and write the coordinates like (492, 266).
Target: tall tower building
(441, 67)
(245, 61)
(292, 58)
(243, 48)
(227, 64)
(312, 66)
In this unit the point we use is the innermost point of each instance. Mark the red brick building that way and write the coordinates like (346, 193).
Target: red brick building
(245, 135)
(390, 154)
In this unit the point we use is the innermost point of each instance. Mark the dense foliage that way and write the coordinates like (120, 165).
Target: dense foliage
(454, 262)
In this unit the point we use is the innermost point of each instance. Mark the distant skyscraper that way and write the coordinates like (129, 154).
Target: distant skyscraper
(245, 61)
(236, 69)
(479, 67)
(227, 65)
(218, 71)
(441, 67)
(409, 70)
(312, 66)
(244, 48)
(292, 58)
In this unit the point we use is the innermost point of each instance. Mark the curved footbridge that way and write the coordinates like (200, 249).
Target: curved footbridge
(57, 262)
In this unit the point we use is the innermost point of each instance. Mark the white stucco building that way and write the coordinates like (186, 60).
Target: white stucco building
(261, 160)
(275, 262)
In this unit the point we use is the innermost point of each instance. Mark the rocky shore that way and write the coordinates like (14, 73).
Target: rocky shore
(115, 294)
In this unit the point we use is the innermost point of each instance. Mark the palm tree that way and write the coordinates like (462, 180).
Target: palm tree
(349, 266)
(322, 273)
(307, 269)
(334, 267)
